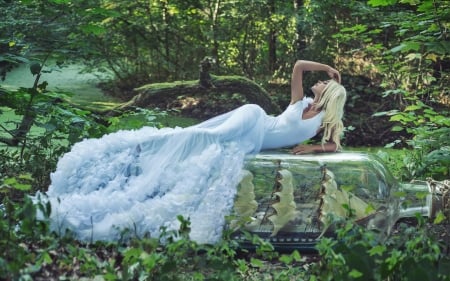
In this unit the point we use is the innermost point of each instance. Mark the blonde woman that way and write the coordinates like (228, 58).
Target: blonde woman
(328, 103)
(254, 130)
(141, 180)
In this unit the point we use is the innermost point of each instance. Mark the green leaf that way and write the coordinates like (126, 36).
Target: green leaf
(355, 273)
(397, 129)
(358, 28)
(286, 259)
(93, 29)
(104, 12)
(348, 188)
(439, 48)
(405, 47)
(413, 56)
(395, 257)
(430, 111)
(45, 258)
(296, 256)
(399, 117)
(413, 107)
(415, 46)
(397, 49)
(369, 209)
(440, 217)
(256, 263)
(376, 3)
(421, 194)
(426, 6)
(131, 255)
(35, 68)
(399, 194)
(9, 181)
(61, 1)
(26, 176)
(17, 185)
(377, 250)
(242, 265)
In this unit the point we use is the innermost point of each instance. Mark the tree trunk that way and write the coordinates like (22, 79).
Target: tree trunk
(272, 38)
(300, 36)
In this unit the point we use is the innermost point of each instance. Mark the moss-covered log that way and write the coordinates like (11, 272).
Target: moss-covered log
(193, 100)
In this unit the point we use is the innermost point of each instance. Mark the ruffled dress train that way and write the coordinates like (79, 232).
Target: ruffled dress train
(143, 179)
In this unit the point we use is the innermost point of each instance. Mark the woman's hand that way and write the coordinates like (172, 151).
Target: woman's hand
(304, 149)
(334, 74)
(297, 76)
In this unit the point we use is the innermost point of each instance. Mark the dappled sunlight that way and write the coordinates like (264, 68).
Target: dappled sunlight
(188, 102)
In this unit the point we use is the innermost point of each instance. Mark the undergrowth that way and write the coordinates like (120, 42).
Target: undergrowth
(30, 251)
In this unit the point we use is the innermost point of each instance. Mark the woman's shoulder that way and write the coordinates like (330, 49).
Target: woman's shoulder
(303, 103)
(307, 100)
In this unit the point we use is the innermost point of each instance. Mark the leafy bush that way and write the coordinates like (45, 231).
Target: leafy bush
(427, 156)
(23, 245)
(430, 156)
(53, 126)
(359, 254)
(31, 251)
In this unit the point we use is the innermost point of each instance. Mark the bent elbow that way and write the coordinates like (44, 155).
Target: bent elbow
(299, 64)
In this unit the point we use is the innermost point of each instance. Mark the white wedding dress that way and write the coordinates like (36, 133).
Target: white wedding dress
(143, 179)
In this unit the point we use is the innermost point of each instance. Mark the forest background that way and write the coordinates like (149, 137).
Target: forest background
(393, 56)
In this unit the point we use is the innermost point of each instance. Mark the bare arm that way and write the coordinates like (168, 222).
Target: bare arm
(297, 76)
(314, 148)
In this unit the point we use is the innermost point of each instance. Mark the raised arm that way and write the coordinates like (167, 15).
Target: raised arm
(297, 76)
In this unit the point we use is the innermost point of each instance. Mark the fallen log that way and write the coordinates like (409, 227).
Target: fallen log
(194, 99)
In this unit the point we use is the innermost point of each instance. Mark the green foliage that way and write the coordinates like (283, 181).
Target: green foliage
(31, 251)
(359, 254)
(43, 127)
(136, 119)
(20, 230)
(412, 66)
(430, 156)
(403, 45)
(142, 42)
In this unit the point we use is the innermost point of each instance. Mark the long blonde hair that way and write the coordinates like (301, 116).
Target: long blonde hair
(332, 101)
